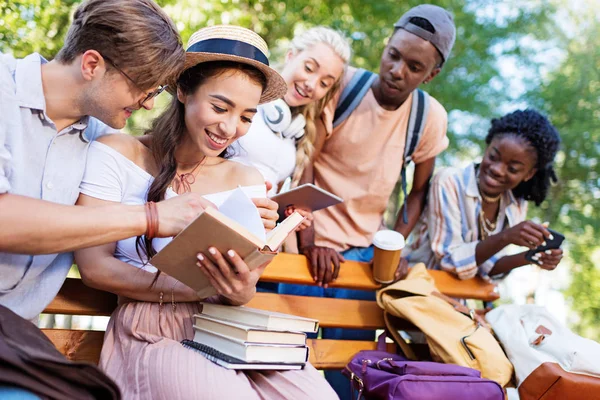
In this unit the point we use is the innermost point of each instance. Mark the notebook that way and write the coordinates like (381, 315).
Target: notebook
(253, 352)
(270, 320)
(248, 333)
(306, 196)
(236, 225)
(233, 363)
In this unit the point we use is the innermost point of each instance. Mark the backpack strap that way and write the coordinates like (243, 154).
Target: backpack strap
(352, 94)
(416, 123)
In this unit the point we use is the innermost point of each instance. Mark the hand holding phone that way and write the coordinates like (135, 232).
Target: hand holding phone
(553, 242)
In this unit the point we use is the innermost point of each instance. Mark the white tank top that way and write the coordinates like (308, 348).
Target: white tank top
(111, 176)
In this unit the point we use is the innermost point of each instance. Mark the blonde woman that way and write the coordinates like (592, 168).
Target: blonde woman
(280, 143)
(226, 76)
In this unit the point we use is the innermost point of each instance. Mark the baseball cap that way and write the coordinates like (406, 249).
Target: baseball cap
(442, 22)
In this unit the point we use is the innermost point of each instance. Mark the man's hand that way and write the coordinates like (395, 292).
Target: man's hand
(267, 209)
(324, 263)
(177, 212)
(402, 270)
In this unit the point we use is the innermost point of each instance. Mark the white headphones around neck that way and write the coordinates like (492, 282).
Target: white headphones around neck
(278, 117)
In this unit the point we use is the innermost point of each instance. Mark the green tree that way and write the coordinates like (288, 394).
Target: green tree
(570, 95)
(28, 26)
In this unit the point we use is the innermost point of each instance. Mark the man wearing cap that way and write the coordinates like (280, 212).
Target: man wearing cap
(361, 158)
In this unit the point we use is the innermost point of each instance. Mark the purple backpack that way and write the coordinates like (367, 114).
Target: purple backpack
(377, 374)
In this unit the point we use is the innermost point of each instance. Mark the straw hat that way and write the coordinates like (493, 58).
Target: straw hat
(234, 43)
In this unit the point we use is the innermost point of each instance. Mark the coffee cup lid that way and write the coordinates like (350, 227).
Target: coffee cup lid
(389, 240)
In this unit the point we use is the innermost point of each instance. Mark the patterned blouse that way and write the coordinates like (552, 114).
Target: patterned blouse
(448, 232)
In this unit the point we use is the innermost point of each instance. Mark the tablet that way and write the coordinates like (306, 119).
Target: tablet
(306, 196)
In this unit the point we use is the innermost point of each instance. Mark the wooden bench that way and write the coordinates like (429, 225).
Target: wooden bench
(75, 298)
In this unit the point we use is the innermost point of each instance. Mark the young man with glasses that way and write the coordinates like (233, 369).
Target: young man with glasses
(116, 56)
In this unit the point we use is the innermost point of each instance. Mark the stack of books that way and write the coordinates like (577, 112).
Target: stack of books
(248, 338)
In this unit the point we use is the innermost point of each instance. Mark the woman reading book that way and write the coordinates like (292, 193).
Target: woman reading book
(474, 213)
(226, 76)
(281, 140)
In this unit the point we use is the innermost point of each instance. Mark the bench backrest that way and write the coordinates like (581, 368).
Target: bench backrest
(77, 299)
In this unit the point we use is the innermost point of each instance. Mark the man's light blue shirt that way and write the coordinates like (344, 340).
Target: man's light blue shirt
(39, 162)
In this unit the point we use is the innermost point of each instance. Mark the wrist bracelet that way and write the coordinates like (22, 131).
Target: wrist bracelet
(151, 220)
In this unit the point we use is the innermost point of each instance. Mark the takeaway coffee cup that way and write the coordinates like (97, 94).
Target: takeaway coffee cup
(388, 249)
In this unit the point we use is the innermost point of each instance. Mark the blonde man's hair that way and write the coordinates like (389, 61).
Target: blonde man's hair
(340, 46)
(136, 35)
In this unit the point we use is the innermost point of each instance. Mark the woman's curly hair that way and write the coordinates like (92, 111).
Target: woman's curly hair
(535, 129)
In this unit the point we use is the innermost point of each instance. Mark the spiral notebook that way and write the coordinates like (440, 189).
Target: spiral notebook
(233, 363)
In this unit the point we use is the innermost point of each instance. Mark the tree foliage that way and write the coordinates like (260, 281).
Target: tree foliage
(570, 95)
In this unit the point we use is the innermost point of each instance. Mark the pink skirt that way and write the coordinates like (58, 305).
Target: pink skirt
(143, 354)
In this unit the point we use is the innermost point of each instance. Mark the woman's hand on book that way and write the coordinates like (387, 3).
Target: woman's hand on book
(230, 275)
(307, 214)
(267, 209)
(176, 213)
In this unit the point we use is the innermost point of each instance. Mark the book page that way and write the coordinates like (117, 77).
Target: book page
(278, 235)
(242, 210)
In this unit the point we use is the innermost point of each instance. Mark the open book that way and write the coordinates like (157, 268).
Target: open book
(306, 196)
(237, 226)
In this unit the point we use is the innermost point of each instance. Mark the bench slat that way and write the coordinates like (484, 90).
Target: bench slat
(77, 299)
(77, 345)
(331, 313)
(335, 354)
(74, 298)
(324, 354)
(293, 268)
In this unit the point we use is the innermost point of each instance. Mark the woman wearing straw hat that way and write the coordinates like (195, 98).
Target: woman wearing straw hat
(226, 76)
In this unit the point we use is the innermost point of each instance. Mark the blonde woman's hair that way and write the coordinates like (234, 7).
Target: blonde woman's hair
(340, 45)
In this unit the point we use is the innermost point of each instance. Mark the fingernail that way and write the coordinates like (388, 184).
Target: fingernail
(551, 237)
(544, 243)
(546, 223)
(212, 250)
(314, 278)
(231, 253)
(325, 286)
(200, 257)
(548, 252)
(540, 262)
(198, 264)
(535, 257)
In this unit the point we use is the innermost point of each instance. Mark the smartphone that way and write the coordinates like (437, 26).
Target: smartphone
(554, 243)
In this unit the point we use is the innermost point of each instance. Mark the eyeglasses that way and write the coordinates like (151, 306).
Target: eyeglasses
(150, 95)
